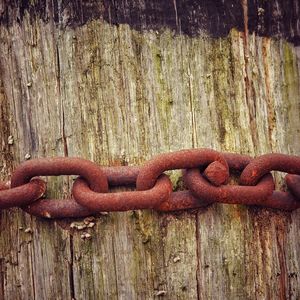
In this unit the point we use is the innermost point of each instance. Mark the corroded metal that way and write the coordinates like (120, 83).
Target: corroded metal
(266, 163)
(53, 208)
(206, 173)
(184, 159)
(181, 200)
(56, 166)
(122, 201)
(233, 194)
(121, 175)
(255, 174)
(263, 164)
(281, 200)
(293, 183)
(57, 208)
(22, 195)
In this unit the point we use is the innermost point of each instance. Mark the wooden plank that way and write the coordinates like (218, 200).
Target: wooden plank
(119, 96)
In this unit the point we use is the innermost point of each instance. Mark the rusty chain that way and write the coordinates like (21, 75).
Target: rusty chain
(205, 176)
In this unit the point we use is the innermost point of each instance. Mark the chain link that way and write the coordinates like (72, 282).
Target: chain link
(293, 183)
(22, 195)
(205, 177)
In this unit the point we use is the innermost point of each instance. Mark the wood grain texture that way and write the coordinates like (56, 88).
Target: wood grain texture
(117, 96)
(276, 18)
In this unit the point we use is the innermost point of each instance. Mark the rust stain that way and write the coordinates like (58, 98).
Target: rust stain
(281, 241)
(154, 189)
(264, 224)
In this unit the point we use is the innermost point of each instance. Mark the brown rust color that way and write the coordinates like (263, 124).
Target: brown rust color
(22, 195)
(237, 162)
(58, 208)
(181, 200)
(53, 208)
(160, 197)
(262, 194)
(293, 183)
(56, 166)
(122, 201)
(281, 200)
(249, 195)
(216, 173)
(154, 189)
(123, 175)
(69, 208)
(183, 159)
(126, 175)
(269, 162)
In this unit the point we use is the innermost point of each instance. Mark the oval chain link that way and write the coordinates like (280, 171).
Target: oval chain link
(60, 208)
(154, 190)
(21, 195)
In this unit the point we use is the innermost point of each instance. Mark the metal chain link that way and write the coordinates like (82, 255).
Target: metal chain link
(205, 176)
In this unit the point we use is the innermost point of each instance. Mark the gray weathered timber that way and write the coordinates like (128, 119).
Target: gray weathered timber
(116, 96)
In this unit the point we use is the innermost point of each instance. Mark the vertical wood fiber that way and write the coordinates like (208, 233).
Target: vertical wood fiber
(117, 96)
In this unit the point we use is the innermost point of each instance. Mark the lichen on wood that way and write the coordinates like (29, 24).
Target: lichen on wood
(116, 95)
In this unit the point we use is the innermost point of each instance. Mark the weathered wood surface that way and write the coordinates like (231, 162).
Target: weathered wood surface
(116, 95)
